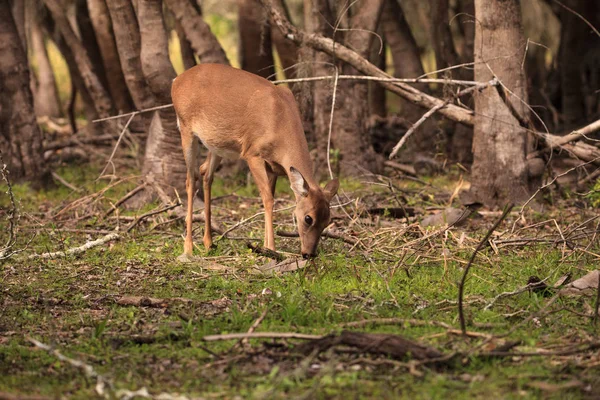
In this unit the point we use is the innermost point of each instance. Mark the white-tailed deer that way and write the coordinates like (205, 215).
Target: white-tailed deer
(236, 114)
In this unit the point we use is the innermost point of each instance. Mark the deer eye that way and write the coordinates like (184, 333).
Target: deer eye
(308, 219)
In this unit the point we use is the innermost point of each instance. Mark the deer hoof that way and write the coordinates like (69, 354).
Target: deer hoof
(185, 258)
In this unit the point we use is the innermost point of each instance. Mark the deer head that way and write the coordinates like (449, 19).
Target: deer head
(312, 210)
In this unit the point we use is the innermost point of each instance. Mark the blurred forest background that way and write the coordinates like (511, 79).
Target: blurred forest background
(91, 59)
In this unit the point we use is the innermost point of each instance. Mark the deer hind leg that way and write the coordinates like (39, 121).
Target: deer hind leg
(265, 180)
(191, 149)
(208, 170)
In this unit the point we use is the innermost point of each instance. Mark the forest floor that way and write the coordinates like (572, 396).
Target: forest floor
(129, 317)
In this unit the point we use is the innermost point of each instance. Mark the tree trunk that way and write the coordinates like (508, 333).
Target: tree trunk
(443, 45)
(318, 19)
(46, 99)
(100, 97)
(205, 44)
(407, 64)
(185, 47)
(350, 135)
(89, 41)
(256, 53)
(20, 137)
(101, 22)
(460, 137)
(376, 91)
(163, 160)
(466, 23)
(127, 38)
(500, 174)
(576, 41)
(286, 50)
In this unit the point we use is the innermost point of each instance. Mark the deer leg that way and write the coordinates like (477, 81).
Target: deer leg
(266, 186)
(208, 169)
(190, 153)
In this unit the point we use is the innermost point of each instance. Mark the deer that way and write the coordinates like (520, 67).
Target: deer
(239, 115)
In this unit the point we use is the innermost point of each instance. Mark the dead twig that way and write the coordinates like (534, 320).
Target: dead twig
(149, 214)
(461, 286)
(64, 182)
(78, 250)
(529, 286)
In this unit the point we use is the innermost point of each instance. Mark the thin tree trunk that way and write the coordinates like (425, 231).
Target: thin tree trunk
(20, 137)
(500, 174)
(318, 19)
(376, 91)
(203, 41)
(466, 23)
(98, 94)
(87, 36)
(46, 99)
(575, 41)
(460, 137)
(256, 53)
(127, 38)
(163, 160)
(101, 22)
(350, 131)
(407, 64)
(287, 50)
(187, 52)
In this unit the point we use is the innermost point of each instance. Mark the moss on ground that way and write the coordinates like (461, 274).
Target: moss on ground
(72, 302)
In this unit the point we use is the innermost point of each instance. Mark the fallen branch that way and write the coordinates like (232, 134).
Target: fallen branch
(102, 383)
(261, 335)
(263, 251)
(78, 250)
(390, 345)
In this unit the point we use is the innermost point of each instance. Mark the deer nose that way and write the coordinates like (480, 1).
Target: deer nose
(306, 256)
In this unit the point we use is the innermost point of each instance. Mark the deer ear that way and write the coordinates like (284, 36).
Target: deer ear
(297, 182)
(331, 189)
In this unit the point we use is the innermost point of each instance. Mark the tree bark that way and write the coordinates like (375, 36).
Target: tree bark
(500, 174)
(203, 41)
(256, 52)
(101, 22)
(286, 50)
(407, 64)
(577, 40)
(377, 103)
(89, 41)
(98, 94)
(46, 99)
(20, 137)
(187, 52)
(350, 134)
(318, 19)
(163, 160)
(127, 38)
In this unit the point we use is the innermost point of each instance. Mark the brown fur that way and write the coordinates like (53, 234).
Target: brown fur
(237, 114)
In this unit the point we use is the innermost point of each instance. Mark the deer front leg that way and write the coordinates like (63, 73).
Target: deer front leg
(266, 185)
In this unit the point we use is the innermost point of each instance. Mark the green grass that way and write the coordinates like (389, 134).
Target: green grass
(71, 303)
